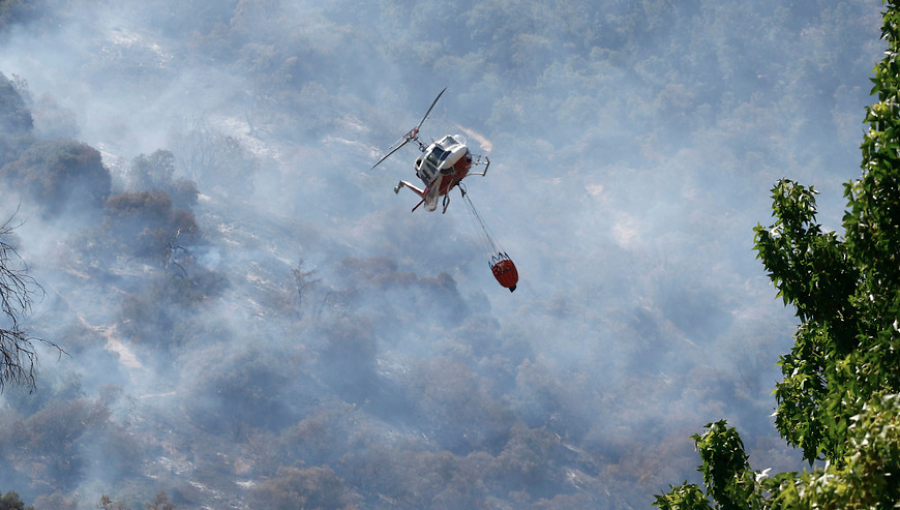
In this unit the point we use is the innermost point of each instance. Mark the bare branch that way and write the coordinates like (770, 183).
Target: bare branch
(302, 280)
(18, 356)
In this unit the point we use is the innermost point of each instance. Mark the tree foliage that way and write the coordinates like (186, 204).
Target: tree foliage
(846, 291)
(839, 398)
(313, 488)
(146, 223)
(11, 501)
(155, 172)
(61, 175)
(160, 502)
(16, 123)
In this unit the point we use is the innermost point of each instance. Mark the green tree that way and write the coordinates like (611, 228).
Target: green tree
(154, 172)
(312, 488)
(145, 224)
(11, 501)
(160, 502)
(61, 176)
(16, 123)
(838, 401)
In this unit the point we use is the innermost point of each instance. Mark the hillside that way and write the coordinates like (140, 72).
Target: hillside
(252, 319)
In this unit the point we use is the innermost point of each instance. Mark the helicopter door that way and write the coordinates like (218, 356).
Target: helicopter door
(427, 167)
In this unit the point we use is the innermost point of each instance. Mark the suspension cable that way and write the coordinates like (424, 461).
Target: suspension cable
(489, 242)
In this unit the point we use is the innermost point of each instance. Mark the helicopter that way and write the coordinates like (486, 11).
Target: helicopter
(442, 165)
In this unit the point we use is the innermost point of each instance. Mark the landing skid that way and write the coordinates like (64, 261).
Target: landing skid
(409, 185)
(423, 194)
(418, 191)
(478, 161)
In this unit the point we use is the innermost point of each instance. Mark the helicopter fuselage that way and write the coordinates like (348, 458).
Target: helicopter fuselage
(444, 163)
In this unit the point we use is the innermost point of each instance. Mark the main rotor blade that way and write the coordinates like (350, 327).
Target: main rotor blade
(395, 149)
(416, 131)
(413, 134)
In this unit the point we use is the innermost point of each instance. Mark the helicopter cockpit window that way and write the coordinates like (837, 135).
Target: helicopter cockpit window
(428, 168)
(438, 154)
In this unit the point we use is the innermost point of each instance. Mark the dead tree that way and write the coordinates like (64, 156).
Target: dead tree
(17, 290)
(301, 278)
